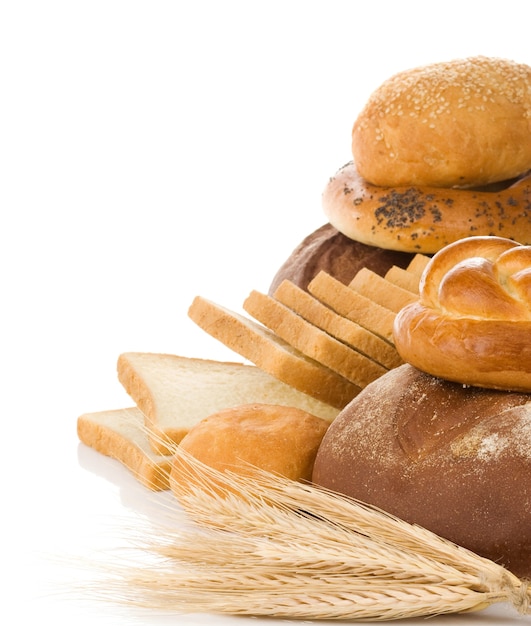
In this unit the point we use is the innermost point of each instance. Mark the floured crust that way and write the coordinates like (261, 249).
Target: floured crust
(424, 219)
(461, 123)
(454, 459)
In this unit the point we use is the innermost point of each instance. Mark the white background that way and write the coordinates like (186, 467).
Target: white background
(151, 151)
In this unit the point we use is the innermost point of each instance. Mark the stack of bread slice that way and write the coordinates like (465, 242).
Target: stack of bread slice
(312, 349)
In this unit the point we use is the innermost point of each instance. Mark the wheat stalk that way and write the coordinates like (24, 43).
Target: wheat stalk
(263, 545)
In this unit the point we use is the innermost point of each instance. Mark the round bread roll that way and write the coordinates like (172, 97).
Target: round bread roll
(452, 459)
(279, 439)
(458, 124)
(424, 219)
(472, 322)
(328, 250)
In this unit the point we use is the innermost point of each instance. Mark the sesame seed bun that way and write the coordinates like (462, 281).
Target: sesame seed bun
(462, 123)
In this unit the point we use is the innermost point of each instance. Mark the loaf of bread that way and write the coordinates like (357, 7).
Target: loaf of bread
(328, 250)
(278, 439)
(312, 341)
(472, 322)
(453, 459)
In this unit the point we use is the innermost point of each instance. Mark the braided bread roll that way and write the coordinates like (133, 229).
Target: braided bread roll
(472, 322)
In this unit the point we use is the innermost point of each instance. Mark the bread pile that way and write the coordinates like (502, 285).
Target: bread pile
(440, 153)
(390, 359)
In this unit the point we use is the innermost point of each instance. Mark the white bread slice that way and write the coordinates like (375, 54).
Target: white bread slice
(121, 434)
(379, 290)
(272, 354)
(312, 340)
(347, 331)
(417, 264)
(352, 305)
(174, 392)
(403, 278)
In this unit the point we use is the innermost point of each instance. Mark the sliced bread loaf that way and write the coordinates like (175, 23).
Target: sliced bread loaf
(347, 331)
(272, 354)
(312, 340)
(403, 278)
(381, 291)
(174, 392)
(352, 305)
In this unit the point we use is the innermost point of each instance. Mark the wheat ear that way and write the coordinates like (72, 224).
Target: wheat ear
(263, 545)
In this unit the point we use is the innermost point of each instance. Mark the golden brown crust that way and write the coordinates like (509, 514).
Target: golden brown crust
(272, 354)
(424, 219)
(312, 341)
(472, 323)
(462, 123)
(278, 439)
(453, 459)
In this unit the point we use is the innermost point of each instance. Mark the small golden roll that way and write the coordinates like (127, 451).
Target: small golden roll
(472, 322)
(461, 123)
(279, 439)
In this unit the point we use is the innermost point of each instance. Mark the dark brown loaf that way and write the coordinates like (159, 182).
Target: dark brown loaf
(453, 459)
(328, 250)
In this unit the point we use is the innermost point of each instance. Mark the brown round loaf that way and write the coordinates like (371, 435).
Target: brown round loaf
(424, 219)
(472, 322)
(328, 250)
(463, 123)
(279, 439)
(452, 459)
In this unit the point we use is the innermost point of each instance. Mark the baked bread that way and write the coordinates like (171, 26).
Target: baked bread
(453, 459)
(382, 291)
(121, 435)
(281, 440)
(343, 329)
(175, 392)
(458, 124)
(269, 352)
(414, 219)
(353, 305)
(312, 340)
(328, 250)
(472, 322)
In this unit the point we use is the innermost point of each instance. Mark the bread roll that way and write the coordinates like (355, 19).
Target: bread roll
(452, 459)
(424, 219)
(472, 323)
(278, 439)
(328, 250)
(463, 123)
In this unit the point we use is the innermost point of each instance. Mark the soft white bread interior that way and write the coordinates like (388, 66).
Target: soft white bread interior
(174, 392)
(271, 353)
